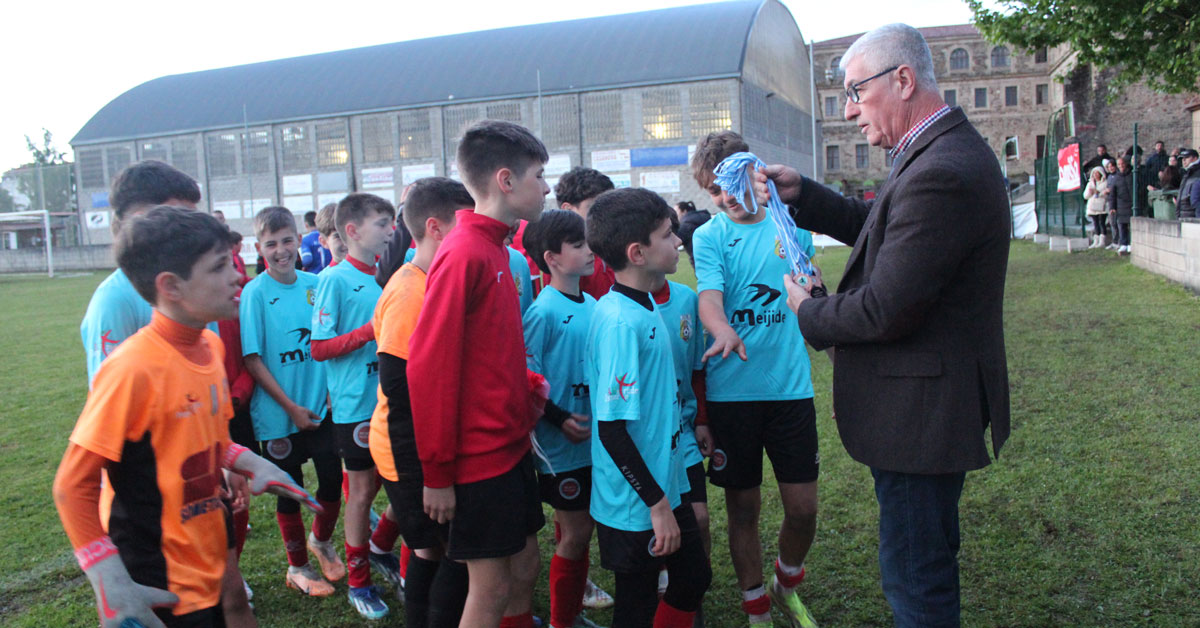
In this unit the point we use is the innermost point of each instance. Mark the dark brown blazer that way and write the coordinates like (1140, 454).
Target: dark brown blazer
(917, 322)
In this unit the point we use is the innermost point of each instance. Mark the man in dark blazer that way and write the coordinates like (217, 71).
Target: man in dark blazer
(916, 324)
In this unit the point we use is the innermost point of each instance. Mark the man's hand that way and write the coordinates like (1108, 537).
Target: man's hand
(439, 503)
(704, 440)
(120, 601)
(787, 183)
(576, 428)
(304, 419)
(796, 292)
(666, 529)
(725, 341)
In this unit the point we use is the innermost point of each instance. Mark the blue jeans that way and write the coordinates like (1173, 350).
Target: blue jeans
(918, 546)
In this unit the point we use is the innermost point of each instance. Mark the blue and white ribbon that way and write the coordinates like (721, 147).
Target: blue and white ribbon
(733, 177)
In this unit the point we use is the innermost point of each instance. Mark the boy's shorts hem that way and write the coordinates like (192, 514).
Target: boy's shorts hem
(741, 430)
(569, 491)
(699, 491)
(211, 617)
(293, 450)
(408, 504)
(353, 445)
(624, 551)
(493, 518)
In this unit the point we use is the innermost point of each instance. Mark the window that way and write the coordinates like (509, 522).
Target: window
(835, 69)
(378, 145)
(297, 149)
(981, 98)
(222, 155)
(1000, 57)
(91, 167)
(415, 138)
(256, 152)
(1011, 149)
(1040, 55)
(832, 158)
(117, 158)
(509, 111)
(1041, 93)
(331, 145)
(708, 109)
(831, 106)
(951, 97)
(1041, 146)
(662, 114)
(960, 59)
(159, 151)
(862, 156)
(456, 121)
(603, 122)
(183, 156)
(1010, 96)
(560, 121)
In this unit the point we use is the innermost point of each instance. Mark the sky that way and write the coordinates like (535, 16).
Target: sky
(65, 60)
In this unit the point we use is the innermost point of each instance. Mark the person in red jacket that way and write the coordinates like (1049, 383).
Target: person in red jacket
(472, 414)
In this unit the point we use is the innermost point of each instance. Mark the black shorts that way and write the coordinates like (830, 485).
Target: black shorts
(494, 517)
(569, 491)
(212, 617)
(699, 491)
(408, 504)
(292, 451)
(622, 551)
(742, 429)
(352, 445)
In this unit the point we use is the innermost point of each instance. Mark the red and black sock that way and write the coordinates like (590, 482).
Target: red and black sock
(668, 616)
(383, 540)
(568, 578)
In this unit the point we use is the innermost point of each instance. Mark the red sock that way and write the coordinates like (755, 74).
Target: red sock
(291, 527)
(668, 616)
(568, 578)
(345, 487)
(760, 605)
(790, 582)
(524, 620)
(385, 535)
(323, 523)
(241, 525)
(405, 554)
(359, 566)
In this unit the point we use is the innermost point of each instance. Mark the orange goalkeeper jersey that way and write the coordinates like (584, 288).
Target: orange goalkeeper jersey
(396, 313)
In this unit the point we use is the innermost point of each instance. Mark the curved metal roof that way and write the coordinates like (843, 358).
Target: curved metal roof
(662, 46)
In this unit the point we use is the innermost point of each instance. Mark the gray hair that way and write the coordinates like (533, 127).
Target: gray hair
(895, 44)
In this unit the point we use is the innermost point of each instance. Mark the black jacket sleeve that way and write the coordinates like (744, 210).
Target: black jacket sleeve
(625, 455)
(393, 257)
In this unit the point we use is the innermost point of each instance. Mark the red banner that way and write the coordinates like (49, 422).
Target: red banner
(1068, 168)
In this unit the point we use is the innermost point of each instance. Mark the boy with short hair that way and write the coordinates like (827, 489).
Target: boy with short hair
(556, 328)
(638, 476)
(343, 336)
(435, 587)
(576, 191)
(760, 398)
(473, 416)
(313, 254)
(329, 238)
(288, 405)
(154, 429)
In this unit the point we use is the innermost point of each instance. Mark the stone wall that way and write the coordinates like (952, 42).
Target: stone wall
(33, 260)
(1159, 116)
(1170, 248)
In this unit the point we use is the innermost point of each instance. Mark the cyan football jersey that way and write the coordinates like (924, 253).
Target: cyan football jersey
(276, 321)
(631, 377)
(345, 301)
(520, 273)
(556, 330)
(681, 317)
(746, 264)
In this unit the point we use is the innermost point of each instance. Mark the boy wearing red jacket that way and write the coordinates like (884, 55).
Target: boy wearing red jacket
(472, 417)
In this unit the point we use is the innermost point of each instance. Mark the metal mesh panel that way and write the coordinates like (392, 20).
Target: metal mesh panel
(662, 114)
(509, 111)
(256, 152)
(91, 167)
(183, 156)
(415, 137)
(458, 120)
(297, 149)
(332, 147)
(560, 122)
(159, 151)
(222, 155)
(378, 145)
(603, 121)
(708, 109)
(117, 158)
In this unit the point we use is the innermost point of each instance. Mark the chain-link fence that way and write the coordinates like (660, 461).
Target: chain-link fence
(33, 188)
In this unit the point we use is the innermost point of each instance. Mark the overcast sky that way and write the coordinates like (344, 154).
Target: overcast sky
(66, 60)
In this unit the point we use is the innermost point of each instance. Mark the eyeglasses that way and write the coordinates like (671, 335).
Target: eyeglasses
(852, 91)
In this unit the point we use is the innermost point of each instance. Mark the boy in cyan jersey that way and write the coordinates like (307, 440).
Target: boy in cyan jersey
(759, 388)
(556, 329)
(288, 405)
(327, 227)
(344, 337)
(638, 477)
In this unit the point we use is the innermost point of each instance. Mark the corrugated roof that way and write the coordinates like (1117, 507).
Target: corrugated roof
(930, 32)
(666, 45)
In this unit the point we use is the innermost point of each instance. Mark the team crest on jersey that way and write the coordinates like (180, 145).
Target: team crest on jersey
(569, 488)
(625, 388)
(279, 448)
(779, 249)
(106, 343)
(308, 295)
(685, 327)
(190, 407)
(520, 288)
(719, 460)
(361, 433)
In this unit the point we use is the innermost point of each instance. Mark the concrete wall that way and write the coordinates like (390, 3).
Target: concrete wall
(33, 260)
(1170, 248)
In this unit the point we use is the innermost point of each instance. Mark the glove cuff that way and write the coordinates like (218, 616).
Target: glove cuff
(231, 455)
(95, 551)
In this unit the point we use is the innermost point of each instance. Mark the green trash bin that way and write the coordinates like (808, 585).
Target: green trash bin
(1163, 203)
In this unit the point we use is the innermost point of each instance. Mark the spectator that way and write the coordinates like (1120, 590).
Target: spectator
(1096, 211)
(1120, 202)
(1157, 161)
(690, 219)
(1101, 155)
(238, 262)
(1170, 177)
(1189, 187)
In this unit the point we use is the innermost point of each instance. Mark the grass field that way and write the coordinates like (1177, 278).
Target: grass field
(1091, 517)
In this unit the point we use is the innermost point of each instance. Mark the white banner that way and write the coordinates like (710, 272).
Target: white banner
(97, 220)
(558, 165)
(295, 184)
(661, 181)
(378, 178)
(325, 199)
(622, 180)
(299, 204)
(610, 160)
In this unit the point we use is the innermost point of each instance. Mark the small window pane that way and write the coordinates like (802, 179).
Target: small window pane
(862, 156)
(118, 158)
(378, 144)
(832, 158)
(1010, 96)
(603, 122)
(960, 59)
(256, 152)
(835, 68)
(560, 122)
(183, 156)
(951, 97)
(1041, 93)
(708, 109)
(1040, 55)
(415, 138)
(158, 151)
(981, 97)
(222, 155)
(1000, 57)
(1041, 146)
(91, 167)
(331, 145)
(297, 149)
(662, 114)
(510, 112)
(1011, 149)
(831, 106)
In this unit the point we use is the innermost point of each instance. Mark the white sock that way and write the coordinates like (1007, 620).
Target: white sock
(787, 569)
(375, 548)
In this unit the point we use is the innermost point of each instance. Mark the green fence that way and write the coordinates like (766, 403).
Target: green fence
(1059, 213)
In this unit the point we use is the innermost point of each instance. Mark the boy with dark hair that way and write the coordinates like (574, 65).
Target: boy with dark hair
(343, 336)
(146, 454)
(435, 587)
(329, 238)
(762, 399)
(313, 254)
(555, 336)
(288, 405)
(638, 476)
(473, 417)
(576, 191)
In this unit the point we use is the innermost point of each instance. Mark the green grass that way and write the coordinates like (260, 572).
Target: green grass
(1091, 516)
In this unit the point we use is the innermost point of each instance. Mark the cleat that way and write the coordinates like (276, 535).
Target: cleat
(331, 565)
(387, 565)
(308, 582)
(367, 602)
(794, 611)
(595, 597)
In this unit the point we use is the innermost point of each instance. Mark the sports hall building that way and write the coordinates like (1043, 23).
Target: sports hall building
(628, 95)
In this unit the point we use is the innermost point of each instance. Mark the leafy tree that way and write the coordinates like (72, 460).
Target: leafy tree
(1150, 40)
(46, 154)
(55, 174)
(6, 201)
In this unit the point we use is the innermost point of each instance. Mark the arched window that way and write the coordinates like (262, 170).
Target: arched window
(835, 70)
(959, 59)
(999, 57)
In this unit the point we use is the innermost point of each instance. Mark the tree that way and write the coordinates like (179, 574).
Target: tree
(1150, 40)
(46, 154)
(48, 173)
(6, 201)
